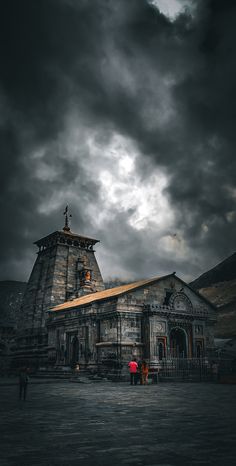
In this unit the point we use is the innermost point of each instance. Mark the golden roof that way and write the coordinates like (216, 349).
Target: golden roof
(109, 293)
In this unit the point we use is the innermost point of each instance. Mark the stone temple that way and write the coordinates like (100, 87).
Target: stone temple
(69, 317)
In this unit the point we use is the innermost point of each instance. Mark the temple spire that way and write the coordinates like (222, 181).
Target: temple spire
(67, 215)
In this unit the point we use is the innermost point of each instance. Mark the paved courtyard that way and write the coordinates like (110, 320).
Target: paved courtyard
(71, 424)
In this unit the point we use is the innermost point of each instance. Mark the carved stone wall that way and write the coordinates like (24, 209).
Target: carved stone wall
(54, 280)
(131, 324)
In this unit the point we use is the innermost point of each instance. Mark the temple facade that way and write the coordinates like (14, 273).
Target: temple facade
(152, 319)
(68, 316)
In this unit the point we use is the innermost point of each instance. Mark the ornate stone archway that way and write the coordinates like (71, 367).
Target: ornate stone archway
(178, 343)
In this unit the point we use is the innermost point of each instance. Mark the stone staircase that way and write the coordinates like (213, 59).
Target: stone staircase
(56, 373)
(66, 373)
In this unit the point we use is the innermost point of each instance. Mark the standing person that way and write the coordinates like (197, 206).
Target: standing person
(76, 370)
(133, 370)
(144, 373)
(23, 383)
(215, 371)
(139, 374)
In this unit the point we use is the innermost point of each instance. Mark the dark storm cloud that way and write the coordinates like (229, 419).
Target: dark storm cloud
(44, 48)
(203, 182)
(117, 66)
(145, 257)
(197, 146)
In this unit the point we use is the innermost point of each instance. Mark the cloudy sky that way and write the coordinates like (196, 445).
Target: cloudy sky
(125, 110)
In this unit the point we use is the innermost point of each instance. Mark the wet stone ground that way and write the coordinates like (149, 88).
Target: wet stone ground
(71, 424)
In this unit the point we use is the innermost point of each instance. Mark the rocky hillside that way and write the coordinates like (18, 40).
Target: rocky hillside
(223, 272)
(11, 294)
(219, 286)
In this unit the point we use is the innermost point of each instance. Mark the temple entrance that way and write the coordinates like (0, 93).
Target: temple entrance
(199, 348)
(72, 350)
(178, 345)
(161, 348)
(160, 351)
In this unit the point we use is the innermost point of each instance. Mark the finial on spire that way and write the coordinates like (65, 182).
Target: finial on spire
(66, 226)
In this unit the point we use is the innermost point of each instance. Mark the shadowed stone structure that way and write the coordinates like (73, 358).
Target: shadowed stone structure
(68, 317)
(156, 319)
(65, 268)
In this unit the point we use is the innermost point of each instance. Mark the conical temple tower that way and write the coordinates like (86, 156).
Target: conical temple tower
(65, 268)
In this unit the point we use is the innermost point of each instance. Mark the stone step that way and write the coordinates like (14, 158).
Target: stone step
(63, 374)
(53, 373)
(183, 379)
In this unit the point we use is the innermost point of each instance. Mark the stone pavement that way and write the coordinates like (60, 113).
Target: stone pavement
(70, 424)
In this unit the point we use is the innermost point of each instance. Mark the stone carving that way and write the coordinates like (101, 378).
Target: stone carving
(160, 327)
(199, 329)
(180, 302)
(87, 277)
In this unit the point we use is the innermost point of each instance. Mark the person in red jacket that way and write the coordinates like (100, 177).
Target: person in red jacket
(133, 370)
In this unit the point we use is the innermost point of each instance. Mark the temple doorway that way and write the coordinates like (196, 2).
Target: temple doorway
(161, 348)
(72, 350)
(178, 344)
(199, 348)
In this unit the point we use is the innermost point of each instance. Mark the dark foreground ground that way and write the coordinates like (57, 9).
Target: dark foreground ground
(71, 424)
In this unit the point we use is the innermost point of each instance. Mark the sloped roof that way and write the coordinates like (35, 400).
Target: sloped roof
(109, 293)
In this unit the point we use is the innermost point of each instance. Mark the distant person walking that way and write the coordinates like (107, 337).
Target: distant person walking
(144, 370)
(133, 370)
(76, 369)
(23, 383)
(215, 371)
